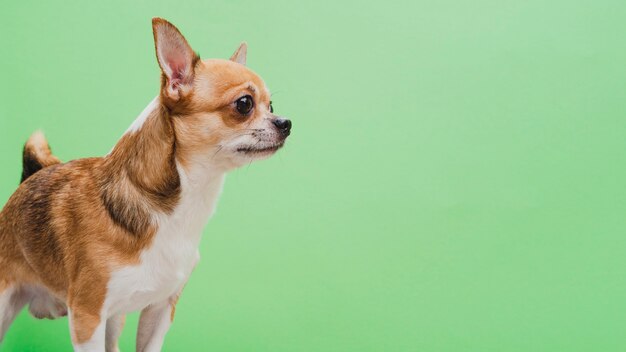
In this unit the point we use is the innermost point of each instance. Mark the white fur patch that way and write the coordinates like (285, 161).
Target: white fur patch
(139, 121)
(166, 265)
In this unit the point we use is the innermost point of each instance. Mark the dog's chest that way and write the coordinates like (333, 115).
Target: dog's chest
(162, 271)
(166, 264)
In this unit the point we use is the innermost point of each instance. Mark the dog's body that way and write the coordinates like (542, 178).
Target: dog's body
(101, 237)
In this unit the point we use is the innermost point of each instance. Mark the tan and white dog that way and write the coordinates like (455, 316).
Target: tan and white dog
(98, 238)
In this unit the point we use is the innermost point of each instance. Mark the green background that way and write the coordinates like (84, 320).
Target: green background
(454, 180)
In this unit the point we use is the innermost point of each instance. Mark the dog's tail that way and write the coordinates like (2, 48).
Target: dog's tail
(37, 155)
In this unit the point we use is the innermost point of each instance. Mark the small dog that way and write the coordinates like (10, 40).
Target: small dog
(98, 238)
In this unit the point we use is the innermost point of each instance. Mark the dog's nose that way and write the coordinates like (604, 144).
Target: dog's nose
(283, 125)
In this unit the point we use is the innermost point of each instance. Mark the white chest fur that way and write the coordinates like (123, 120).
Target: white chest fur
(166, 264)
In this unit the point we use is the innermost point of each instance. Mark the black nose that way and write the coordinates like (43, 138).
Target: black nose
(283, 125)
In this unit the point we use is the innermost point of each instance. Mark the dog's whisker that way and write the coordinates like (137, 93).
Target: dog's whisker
(219, 149)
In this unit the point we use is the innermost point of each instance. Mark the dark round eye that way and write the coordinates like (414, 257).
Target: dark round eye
(244, 105)
(271, 107)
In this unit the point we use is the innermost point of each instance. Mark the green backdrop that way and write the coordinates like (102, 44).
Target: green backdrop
(454, 180)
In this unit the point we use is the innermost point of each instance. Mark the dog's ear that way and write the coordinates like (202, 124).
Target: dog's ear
(176, 58)
(241, 53)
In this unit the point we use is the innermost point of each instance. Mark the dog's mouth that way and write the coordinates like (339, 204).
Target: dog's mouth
(251, 150)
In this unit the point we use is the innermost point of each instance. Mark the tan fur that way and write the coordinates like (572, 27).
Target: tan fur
(69, 225)
(240, 55)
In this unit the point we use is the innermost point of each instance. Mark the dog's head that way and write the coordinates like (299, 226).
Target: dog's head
(221, 110)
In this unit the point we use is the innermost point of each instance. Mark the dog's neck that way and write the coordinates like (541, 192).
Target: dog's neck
(141, 176)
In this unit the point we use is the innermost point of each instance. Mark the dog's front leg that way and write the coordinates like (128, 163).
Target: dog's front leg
(115, 324)
(88, 330)
(87, 317)
(154, 322)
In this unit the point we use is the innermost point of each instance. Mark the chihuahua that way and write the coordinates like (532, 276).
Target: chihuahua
(97, 238)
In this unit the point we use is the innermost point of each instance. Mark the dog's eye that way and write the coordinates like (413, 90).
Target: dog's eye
(271, 107)
(244, 104)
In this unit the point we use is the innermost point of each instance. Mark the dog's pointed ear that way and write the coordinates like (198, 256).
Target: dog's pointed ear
(176, 58)
(241, 53)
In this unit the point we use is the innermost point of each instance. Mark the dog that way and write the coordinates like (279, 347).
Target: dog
(97, 238)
